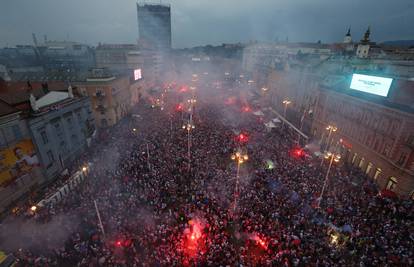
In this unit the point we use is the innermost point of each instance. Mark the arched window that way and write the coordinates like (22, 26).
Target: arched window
(354, 158)
(369, 167)
(377, 173)
(392, 183)
(361, 163)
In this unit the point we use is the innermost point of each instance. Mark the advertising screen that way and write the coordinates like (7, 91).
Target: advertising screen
(371, 84)
(137, 74)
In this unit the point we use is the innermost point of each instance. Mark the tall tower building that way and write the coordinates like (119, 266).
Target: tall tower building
(154, 25)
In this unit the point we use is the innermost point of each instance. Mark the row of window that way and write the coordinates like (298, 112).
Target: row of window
(378, 122)
(45, 138)
(392, 181)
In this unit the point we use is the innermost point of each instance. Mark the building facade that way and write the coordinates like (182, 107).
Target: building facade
(119, 57)
(61, 130)
(154, 25)
(110, 96)
(40, 137)
(376, 138)
(20, 170)
(373, 133)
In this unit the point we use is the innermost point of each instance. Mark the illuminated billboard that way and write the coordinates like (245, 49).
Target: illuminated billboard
(137, 74)
(371, 84)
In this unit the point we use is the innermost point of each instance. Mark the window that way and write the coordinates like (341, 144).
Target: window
(79, 116)
(3, 142)
(369, 167)
(50, 156)
(74, 139)
(377, 173)
(100, 92)
(402, 159)
(63, 146)
(354, 158)
(44, 137)
(410, 140)
(392, 183)
(69, 120)
(16, 131)
(361, 163)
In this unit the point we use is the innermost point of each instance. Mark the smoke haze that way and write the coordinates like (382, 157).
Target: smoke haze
(207, 22)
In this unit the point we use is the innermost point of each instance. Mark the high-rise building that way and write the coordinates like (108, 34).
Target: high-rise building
(154, 25)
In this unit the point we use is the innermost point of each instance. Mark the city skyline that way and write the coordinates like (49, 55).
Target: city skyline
(204, 22)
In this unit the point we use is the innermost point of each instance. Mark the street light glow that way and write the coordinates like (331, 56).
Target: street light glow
(331, 128)
(188, 126)
(239, 157)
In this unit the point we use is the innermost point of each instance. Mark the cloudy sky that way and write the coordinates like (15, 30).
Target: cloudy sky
(199, 22)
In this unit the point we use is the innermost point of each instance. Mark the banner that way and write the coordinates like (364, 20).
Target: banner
(16, 161)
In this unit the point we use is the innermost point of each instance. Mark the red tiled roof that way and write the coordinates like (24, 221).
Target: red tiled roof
(15, 93)
(6, 109)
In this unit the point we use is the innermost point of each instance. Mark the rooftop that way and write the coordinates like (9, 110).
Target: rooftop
(6, 109)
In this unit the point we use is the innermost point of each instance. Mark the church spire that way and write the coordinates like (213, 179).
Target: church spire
(366, 35)
(349, 32)
(348, 38)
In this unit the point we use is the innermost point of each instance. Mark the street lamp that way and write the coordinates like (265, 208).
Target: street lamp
(331, 157)
(33, 208)
(331, 129)
(240, 158)
(286, 102)
(189, 127)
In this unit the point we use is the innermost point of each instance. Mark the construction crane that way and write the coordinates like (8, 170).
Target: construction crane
(36, 49)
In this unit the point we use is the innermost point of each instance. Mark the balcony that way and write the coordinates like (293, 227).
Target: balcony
(101, 108)
(100, 94)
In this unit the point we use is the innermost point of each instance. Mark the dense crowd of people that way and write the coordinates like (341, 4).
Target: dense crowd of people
(160, 207)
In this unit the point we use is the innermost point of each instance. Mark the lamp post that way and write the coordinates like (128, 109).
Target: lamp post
(148, 158)
(331, 129)
(240, 158)
(331, 157)
(191, 102)
(189, 126)
(286, 102)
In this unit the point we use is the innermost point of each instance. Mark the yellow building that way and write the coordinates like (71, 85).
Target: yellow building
(110, 96)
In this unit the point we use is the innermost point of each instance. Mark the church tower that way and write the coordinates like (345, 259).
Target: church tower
(348, 38)
(364, 45)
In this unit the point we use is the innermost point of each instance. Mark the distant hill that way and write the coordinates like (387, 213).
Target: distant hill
(408, 43)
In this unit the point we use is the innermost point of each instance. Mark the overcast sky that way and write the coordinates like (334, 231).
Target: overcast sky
(200, 22)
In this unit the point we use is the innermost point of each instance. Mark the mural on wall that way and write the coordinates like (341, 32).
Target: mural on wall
(16, 161)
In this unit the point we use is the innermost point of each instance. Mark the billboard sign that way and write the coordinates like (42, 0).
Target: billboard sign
(371, 84)
(16, 161)
(137, 74)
